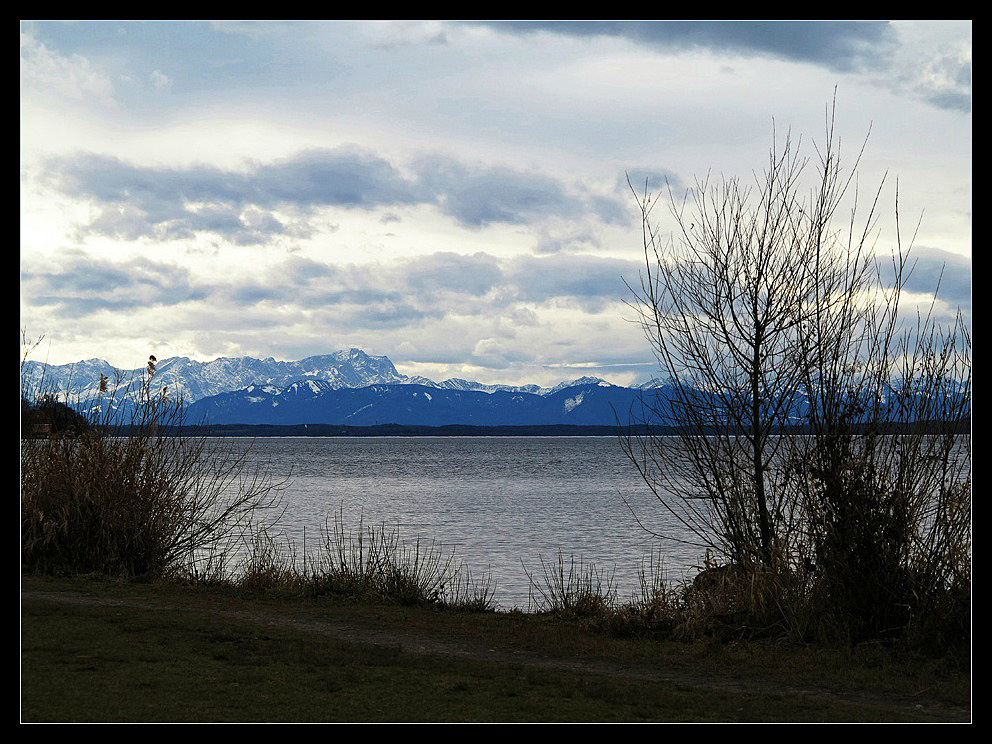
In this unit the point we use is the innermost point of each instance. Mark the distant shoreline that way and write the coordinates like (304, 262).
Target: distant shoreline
(453, 430)
(396, 430)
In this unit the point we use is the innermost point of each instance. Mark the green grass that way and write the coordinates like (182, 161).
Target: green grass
(160, 652)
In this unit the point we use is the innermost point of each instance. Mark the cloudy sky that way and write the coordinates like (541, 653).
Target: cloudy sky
(451, 195)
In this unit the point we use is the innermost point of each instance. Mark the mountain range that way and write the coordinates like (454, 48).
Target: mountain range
(313, 402)
(350, 388)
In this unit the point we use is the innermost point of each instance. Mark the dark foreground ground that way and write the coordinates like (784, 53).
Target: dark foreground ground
(100, 650)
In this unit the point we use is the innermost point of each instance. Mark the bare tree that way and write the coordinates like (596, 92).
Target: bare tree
(787, 370)
(721, 303)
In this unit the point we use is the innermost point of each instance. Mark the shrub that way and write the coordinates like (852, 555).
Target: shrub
(373, 561)
(580, 590)
(121, 497)
(822, 440)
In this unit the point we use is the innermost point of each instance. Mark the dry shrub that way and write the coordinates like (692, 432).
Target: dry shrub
(265, 567)
(122, 498)
(822, 437)
(576, 590)
(373, 561)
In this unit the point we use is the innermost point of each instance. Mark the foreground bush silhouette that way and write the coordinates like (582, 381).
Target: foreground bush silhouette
(117, 497)
(50, 416)
(823, 446)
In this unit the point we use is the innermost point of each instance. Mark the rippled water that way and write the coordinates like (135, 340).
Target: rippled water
(503, 504)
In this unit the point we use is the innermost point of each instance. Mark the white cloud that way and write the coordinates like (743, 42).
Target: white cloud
(440, 193)
(933, 65)
(74, 77)
(160, 80)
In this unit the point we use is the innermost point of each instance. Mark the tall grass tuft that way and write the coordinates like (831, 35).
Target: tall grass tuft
(373, 561)
(573, 589)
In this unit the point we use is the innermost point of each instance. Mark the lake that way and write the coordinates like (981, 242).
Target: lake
(503, 504)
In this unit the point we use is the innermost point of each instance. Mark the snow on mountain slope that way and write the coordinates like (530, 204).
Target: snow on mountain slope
(192, 380)
(195, 380)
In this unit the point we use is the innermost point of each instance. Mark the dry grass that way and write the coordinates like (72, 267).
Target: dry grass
(113, 495)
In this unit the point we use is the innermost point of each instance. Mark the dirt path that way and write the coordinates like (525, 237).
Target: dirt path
(351, 630)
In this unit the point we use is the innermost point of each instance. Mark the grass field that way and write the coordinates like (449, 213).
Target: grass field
(94, 649)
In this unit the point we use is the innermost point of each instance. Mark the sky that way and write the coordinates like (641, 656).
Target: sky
(453, 195)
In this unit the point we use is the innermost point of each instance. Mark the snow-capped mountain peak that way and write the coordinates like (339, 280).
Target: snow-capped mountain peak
(192, 380)
(598, 381)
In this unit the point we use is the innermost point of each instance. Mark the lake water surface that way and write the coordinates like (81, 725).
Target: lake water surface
(503, 504)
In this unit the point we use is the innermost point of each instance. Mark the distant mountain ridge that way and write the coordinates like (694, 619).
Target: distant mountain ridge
(316, 402)
(194, 381)
(352, 388)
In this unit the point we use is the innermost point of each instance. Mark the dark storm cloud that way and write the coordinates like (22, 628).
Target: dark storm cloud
(176, 203)
(837, 45)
